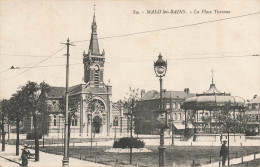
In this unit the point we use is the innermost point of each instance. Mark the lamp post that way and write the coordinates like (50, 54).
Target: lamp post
(172, 134)
(115, 123)
(160, 67)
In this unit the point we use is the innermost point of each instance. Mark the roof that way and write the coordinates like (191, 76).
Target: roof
(93, 45)
(166, 94)
(212, 98)
(204, 102)
(213, 91)
(59, 91)
(56, 91)
(75, 89)
(255, 100)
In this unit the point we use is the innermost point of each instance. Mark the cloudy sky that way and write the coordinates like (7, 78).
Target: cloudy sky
(193, 43)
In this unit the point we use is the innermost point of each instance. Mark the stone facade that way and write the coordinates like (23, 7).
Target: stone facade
(253, 113)
(149, 104)
(97, 120)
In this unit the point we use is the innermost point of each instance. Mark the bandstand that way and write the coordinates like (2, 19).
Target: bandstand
(203, 110)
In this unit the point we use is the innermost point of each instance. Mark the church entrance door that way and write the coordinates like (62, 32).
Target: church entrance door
(97, 123)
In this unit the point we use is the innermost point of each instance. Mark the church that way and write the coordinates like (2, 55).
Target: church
(109, 119)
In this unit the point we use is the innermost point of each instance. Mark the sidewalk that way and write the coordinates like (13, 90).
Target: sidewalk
(46, 159)
(235, 161)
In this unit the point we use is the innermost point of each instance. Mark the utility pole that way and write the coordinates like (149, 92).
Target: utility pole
(108, 109)
(131, 129)
(65, 161)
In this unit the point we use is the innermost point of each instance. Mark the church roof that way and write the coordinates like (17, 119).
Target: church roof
(93, 45)
(166, 94)
(56, 91)
(96, 90)
(75, 89)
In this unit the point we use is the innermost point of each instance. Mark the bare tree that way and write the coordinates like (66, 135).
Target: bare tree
(132, 96)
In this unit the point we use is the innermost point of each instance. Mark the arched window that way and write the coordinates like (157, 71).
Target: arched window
(74, 122)
(115, 122)
(54, 120)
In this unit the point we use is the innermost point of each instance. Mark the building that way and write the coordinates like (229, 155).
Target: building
(253, 113)
(149, 104)
(204, 109)
(106, 118)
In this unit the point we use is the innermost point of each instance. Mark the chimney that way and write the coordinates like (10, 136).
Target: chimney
(187, 90)
(142, 93)
(255, 96)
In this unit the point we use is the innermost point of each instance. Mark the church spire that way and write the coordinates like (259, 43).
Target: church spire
(93, 45)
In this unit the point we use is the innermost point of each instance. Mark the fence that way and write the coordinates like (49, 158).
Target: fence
(235, 158)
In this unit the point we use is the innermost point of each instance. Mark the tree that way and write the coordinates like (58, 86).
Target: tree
(18, 112)
(206, 121)
(4, 104)
(227, 123)
(130, 103)
(73, 108)
(34, 98)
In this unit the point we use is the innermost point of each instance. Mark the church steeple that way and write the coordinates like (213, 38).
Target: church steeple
(94, 60)
(93, 45)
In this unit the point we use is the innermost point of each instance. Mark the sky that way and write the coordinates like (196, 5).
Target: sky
(31, 33)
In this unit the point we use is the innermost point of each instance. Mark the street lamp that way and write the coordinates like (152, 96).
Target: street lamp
(160, 68)
(115, 123)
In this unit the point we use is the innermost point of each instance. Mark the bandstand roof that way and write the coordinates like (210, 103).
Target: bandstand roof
(212, 99)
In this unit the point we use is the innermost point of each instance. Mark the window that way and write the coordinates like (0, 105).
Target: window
(180, 116)
(173, 105)
(175, 116)
(96, 75)
(178, 106)
(168, 105)
(74, 122)
(54, 121)
(115, 122)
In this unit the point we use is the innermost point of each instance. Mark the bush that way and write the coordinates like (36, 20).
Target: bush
(125, 142)
(250, 133)
(30, 136)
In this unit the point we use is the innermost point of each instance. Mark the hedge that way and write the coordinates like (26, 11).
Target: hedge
(30, 136)
(125, 142)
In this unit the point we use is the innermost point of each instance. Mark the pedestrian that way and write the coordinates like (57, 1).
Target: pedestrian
(224, 152)
(25, 156)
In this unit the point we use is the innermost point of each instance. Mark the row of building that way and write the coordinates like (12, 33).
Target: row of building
(185, 110)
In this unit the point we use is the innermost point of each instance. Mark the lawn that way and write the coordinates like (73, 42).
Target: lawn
(178, 155)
